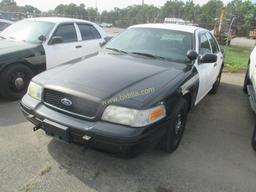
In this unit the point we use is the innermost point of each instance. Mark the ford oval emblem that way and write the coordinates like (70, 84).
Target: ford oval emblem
(66, 102)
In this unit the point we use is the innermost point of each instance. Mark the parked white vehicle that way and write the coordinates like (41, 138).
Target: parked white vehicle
(4, 24)
(250, 87)
(33, 45)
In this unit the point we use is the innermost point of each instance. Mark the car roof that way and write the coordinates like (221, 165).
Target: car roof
(176, 27)
(6, 21)
(58, 19)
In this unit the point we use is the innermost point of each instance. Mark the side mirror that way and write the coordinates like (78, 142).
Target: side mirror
(103, 43)
(208, 58)
(106, 40)
(192, 55)
(42, 38)
(222, 51)
(56, 40)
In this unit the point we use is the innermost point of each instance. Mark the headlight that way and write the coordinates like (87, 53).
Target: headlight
(35, 91)
(133, 117)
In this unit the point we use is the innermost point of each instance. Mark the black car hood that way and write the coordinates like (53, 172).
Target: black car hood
(106, 76)
(10, 46)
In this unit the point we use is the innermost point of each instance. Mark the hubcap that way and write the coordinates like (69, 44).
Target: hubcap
(178, 124)
(19, 83)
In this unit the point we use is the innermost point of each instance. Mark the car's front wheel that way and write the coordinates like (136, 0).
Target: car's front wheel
(14, 81)
(216, 85)
(176, 127)
(247, 81)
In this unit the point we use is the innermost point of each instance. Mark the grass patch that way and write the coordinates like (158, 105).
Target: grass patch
(236, 58)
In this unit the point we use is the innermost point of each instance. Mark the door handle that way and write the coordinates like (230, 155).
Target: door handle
(79, 46)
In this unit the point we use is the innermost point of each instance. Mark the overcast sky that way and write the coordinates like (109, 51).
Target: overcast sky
(45, 5)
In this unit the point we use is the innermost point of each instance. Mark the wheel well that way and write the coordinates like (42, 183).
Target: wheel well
(35, 69)
(188, 98)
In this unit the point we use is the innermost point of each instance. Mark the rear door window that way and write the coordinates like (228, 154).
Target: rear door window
(88, 32)
(215, 47)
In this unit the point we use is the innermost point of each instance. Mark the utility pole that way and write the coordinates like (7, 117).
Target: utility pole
(142, 2)
(96, 5)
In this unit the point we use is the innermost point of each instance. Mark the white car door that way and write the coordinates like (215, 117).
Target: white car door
(65, 50)
(252, 68)
(217, 51)
(91, 38)
(205, 70)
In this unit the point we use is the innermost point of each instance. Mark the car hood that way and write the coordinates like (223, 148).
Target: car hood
(107, 76)
(11, 46)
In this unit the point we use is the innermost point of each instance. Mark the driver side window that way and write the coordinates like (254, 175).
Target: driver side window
(204, 45)
(67, 32)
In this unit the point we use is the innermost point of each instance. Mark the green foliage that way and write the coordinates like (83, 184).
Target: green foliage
(11, 6)
(236, 58)
(204, 15)
(245, 12)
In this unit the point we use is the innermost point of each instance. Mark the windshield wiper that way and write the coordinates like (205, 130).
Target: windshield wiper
(2, 37)
(117, 50)
(149, 55)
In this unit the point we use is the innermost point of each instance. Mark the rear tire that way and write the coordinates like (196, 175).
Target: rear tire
(247, 81)
(176, 127)
(14, 81)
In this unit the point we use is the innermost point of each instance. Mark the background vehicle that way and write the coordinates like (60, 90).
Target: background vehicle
(30, 46)
(107, 103)
(252, 34)
(107, 25)
(4, 24)
(250, 87)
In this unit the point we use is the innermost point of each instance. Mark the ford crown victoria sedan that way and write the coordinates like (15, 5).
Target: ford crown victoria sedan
(136, 92)
(250, 88)
(31, 46)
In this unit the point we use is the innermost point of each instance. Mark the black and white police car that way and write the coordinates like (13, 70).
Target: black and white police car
(30, 46)
(250, 88)
(136, 92)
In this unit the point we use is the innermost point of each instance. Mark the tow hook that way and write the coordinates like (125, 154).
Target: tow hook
(37, 127)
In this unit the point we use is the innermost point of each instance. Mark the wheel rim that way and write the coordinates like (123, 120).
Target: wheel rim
(178, 129)
(17, 81)
(178, 125)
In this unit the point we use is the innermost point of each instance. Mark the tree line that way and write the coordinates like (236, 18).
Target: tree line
(244, 12)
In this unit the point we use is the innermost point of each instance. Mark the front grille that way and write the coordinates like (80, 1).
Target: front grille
(80, 107)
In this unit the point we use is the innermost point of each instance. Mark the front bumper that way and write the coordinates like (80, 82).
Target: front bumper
(103, 135)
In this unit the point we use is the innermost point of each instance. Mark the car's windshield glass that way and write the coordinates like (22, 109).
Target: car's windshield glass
(28, 31)
(160, 43)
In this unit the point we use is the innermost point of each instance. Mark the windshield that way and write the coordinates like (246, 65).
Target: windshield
(157, 43)
(28, 31)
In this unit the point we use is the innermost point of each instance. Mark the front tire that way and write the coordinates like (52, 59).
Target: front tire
(176, 128)
(14, 81)
(216, 85)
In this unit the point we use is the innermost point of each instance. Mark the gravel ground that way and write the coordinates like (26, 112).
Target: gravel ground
(215, 154)
(243, 42)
